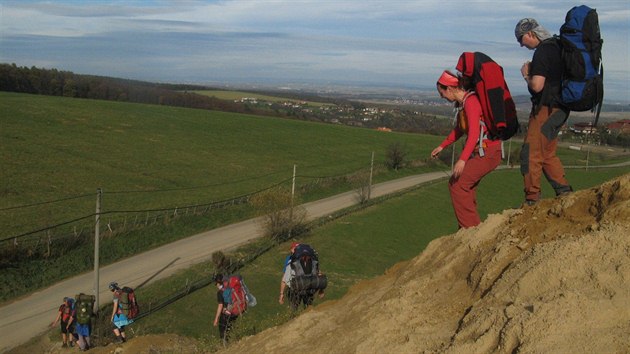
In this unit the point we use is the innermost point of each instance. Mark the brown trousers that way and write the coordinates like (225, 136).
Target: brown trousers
(538, 154)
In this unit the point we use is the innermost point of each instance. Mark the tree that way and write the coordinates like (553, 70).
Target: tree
(361, 182)
(395, 155)
(281, 217)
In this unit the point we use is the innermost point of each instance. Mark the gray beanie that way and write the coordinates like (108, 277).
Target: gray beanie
(529, 24)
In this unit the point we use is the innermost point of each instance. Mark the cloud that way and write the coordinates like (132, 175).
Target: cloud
(390, 42)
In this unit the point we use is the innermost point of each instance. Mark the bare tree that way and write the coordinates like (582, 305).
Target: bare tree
(281, 217)
(361, 182)
(395, 155)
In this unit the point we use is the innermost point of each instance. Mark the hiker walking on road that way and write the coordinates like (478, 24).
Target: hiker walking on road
(223, 318)
(302, 277)
(118, 318)
(543, 76)
(65, 316)
(480, 155)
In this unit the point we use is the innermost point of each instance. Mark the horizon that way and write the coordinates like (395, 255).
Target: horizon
(395, 44)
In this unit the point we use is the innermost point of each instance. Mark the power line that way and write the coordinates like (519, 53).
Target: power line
(46, 202)
(47, 228)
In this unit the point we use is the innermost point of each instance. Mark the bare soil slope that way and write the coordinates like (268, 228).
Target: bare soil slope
(551, 278)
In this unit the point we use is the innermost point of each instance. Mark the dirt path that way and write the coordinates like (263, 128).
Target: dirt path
(30, 316)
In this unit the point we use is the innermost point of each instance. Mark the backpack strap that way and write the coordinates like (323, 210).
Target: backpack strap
(483, 130)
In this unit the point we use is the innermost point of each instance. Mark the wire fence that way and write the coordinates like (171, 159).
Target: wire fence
(66, 234)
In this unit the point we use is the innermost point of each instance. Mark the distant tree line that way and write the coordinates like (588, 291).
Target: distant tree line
(54, 82)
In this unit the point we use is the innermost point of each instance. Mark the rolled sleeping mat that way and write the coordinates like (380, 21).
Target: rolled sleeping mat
(309, 282)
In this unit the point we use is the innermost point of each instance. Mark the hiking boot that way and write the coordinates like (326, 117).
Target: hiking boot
(64, 345)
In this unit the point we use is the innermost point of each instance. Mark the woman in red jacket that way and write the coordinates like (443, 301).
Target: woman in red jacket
(480, 155)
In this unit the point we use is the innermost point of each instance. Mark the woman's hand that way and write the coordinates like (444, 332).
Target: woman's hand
(458, 168)
(436, 152)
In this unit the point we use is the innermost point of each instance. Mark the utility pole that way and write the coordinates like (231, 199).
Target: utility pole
(371, 174)
(97, 236)
(292, 198)
(509, 152)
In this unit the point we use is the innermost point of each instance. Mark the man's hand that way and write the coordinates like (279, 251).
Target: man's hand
(525, 69)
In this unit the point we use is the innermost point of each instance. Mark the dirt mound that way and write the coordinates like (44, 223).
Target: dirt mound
(554, 277)
(149, 344)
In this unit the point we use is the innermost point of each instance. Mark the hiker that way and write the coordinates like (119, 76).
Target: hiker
(118, 318)
(480, 155)
(65, 316)
(83, 333)
(543, 76)
(302, 277)
(223, 317)
(287, 263)
(287, 260)
(84, 305)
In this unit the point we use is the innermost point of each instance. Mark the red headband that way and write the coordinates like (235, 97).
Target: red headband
(448, 79)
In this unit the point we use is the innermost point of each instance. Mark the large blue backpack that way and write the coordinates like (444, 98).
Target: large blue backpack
(583, 78)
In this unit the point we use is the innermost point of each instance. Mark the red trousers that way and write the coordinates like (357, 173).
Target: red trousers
(463, 189)
(538, 154)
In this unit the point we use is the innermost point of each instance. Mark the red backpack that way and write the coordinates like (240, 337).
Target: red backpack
(234, 295)
(127, 302)
(499, 110)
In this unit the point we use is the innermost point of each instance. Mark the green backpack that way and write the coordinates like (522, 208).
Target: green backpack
(84, 305)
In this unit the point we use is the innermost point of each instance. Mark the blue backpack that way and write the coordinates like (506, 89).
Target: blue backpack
(583, 77)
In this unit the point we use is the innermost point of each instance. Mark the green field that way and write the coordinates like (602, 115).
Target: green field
(146, 156)
(151, 157)
(237, 95)
(358, 246)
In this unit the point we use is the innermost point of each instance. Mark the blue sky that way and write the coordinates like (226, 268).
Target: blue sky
(380, 42)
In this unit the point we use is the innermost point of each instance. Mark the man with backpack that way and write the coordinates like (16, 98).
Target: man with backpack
(226, 313)
(302, 277)
(543, 76)
(65, 316)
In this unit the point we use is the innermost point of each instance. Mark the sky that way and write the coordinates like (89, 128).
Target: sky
(381, 43)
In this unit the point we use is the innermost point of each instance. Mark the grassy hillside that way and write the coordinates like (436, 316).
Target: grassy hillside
(53, 147)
